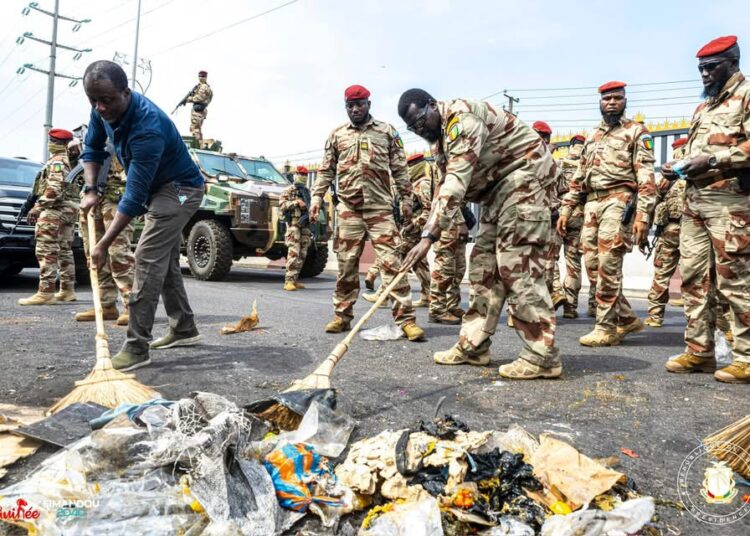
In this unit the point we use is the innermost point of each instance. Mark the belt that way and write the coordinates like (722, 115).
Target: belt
(726, 175)
(599, 194)
(674, 220)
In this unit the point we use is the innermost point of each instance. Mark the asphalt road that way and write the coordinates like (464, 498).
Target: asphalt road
(607, 399)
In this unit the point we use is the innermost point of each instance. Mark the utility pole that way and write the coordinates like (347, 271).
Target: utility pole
(137, 34)
(51, 72)
(511, 101)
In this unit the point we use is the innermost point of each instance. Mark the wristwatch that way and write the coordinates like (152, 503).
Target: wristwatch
(427, 234)
(88, 188)
(712, 163)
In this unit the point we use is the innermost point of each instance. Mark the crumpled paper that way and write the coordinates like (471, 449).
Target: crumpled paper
(246, 323)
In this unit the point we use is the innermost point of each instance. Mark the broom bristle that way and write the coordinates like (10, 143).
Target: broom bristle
(281, 416)
(107, 387)
(732, 444)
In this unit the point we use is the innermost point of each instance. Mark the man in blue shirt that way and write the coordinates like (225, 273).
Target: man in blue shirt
(164, 184)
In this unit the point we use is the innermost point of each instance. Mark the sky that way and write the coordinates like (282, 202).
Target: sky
(279, 72)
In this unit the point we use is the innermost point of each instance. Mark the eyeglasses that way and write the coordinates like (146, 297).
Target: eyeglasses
(419, 122)
(709, 66)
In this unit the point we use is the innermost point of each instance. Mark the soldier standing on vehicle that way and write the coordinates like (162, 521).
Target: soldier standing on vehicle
(293, 204)
(490, 157)
(54, 216)
(715, 231)
(616, 170)
(363, 154)
(118, 272)
(163, 183)
(200, 98)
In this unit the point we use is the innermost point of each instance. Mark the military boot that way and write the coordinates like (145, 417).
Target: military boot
(599, 337)
(124, 318)
(298, 285)
(456, 356)
(412, 331)
(290, 286)
(40, 298)
(591, 311)
(458, 311)
(569, 311)
(737, 372)
(446, 318)
(520, 369)
(125, 361)
(688, 362)
(338, 325)
(654, 322)
(370, 282)
(558, 300)
(634, 326)
(65, 295)
(423, 301)
(110, 312)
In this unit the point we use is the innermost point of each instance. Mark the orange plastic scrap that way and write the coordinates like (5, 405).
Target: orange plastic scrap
(464, 498)
(246, 323)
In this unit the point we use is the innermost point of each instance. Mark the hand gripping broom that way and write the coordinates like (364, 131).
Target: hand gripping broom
(104, 385)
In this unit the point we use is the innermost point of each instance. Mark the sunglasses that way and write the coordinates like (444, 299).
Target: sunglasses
(419, 122)
(709, 66)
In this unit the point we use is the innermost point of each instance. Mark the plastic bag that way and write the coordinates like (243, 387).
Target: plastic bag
(628, 518)
(421, 518)
(326, 430)
(509, 527)
(723, 350)
(386, 332)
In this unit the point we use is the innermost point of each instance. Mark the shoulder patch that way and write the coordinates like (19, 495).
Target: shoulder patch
(648, 142)
(454, 128)
(56, 167)
(397, 138)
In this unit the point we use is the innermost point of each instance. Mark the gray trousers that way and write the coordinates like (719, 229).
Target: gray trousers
(157, 267)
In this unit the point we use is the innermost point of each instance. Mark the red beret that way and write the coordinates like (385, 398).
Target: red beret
(610, 86)
(356, 92)
(679, 142)
(717, 46)
(202, 74)
(578, 137)
(416, 157)
(60, 134)
(541, 126)
(302, 170)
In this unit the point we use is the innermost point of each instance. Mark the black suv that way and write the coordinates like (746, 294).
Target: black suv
(17, 241)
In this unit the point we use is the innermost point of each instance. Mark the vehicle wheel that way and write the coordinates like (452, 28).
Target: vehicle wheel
(209, 250)
(12, 269)
(316, 260)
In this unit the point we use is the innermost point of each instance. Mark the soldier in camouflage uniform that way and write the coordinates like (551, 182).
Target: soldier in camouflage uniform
(364, 154)
(488, 156)
(117, 274)
(572, 238)
(200, 98)
(448, 271)
(716, 219)
(616, 167)
(298, 236)
(54, 215)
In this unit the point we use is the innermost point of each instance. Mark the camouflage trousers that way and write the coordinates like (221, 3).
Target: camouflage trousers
(353, 227)
(53, 235)
(297, 241)
(715, 237)
(508, 263)
(447, 272)
(196, 123)
(572, 252)
(118, 272)
(605, 240)
(552, 268)
(420, 269)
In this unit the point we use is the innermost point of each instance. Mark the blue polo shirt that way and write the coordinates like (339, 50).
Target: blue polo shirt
(150, 149)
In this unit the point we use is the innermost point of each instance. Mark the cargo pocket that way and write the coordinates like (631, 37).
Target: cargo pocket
(737, 236)
(533, 225)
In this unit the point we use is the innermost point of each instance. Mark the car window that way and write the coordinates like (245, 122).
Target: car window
(260, 169)
(217, 163)
(18, 172)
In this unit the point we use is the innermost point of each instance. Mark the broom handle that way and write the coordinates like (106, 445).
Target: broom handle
(102, 349)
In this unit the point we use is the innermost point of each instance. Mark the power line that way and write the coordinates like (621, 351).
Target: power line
(557, 110)
(563, 104)
(629, 93)
(227, 27)
(642, 84)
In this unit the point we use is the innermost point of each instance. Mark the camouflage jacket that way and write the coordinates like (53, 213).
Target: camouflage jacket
(721, 127)
(115, 187)
(364, 159)
(202, 94)
(288, 204)
(478, 147)
(568, 166)
(51, 187)
(670, 205)
(423, 180)
(612, 157)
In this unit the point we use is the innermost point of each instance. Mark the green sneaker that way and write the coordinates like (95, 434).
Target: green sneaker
(125, 361)
(171, 339)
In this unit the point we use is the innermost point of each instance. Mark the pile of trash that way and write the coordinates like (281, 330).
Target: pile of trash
(203, 465)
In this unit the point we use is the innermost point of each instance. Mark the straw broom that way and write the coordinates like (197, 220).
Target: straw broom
(287, 419)
(732, 444)
(104, 385)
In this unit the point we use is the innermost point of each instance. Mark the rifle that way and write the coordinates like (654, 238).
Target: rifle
(651, 246)
(183, 102)
(304, 193)
(397, 212)
(629, 211)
